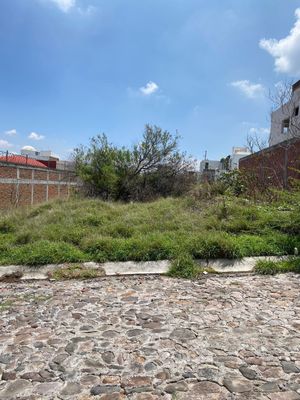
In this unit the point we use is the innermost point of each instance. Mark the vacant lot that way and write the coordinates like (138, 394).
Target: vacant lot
(83, 230)
(126, 338)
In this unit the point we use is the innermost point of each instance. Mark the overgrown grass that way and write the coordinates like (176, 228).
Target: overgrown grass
(269, 267)
(185, 266)
(75, 271)
(94, 230)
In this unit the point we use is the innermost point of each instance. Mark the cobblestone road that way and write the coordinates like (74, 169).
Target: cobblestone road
(151, 338)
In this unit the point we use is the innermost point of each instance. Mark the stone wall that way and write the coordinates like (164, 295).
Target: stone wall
(23, 185)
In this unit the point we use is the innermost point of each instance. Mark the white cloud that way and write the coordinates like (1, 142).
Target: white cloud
(150, 88)
(259, 131)
(286, 51)
(11, 132)
(65, 5)
(36, 136)
(4, 144)
(251, 90)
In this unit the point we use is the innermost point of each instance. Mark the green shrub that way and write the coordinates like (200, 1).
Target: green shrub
(206, 191)
(184, 266)
(23, 237)
(37, 210)
(268, 267)
(7, 225)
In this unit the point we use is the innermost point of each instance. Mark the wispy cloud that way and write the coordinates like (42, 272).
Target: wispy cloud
(286, 51)
(36, 136)
(11, 132)
(149, 88)
(249, 89)
(4, 144)
(67, 6)
(64, 5)
(259, 131)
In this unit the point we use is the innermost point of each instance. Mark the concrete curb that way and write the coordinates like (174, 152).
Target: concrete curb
(22, 272)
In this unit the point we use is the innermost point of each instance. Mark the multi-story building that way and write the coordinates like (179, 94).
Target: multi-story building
(285, 121)
(279, 164)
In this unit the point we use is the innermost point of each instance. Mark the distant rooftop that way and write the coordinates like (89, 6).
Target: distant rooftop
(22, 160)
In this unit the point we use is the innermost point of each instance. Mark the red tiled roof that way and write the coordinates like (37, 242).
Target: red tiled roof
(16, 159)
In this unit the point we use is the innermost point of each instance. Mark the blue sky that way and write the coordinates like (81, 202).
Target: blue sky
(70, 69)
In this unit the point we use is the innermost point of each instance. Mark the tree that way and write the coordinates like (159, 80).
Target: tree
(101, 166)
(152, 168)
(255, 143)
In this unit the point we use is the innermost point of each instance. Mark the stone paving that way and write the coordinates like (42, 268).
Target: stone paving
(151, 338)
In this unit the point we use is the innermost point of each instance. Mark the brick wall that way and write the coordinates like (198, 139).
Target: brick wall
(276, 165)
(23, 185)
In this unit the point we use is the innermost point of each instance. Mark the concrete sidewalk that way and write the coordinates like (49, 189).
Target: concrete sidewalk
(246, 264)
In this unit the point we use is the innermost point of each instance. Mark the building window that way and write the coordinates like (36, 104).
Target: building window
(285, 126)
(206, 166)
(296, 111)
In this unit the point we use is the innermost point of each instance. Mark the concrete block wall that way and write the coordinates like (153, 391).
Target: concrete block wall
(23, 185)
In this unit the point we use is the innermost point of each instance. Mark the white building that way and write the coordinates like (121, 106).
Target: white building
(237, 154)
(44, 155)
(47, 158)
(285, 121)
(214, 169)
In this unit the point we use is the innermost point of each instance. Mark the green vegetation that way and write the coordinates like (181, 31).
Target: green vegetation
(75, 271)
(151, 169)
(204, 224)
(184, 266)
(268, 267)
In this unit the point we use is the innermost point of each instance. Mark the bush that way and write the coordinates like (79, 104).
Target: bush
(184, 267)
(207, 191)
(268, 267)
(7, 225)
(234, 182)
(151, 169)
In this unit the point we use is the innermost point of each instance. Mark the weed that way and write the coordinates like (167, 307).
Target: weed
(76, 272)
(43, 252)
(204, 226)
(5, 305)
(269, 267)
(184, 267)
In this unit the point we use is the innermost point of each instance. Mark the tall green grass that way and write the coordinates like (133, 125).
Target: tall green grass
(90, 229)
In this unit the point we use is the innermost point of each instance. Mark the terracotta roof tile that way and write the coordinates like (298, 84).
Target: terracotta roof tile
(22, 160)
